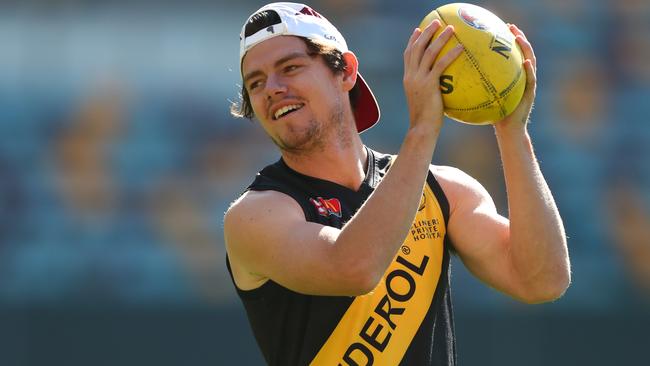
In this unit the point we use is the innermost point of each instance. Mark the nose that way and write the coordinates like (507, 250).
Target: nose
(275, 85)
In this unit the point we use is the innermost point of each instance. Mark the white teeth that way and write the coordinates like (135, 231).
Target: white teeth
(280, 112)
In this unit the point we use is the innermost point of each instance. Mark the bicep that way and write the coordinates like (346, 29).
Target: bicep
(478, 232)
(267, 236)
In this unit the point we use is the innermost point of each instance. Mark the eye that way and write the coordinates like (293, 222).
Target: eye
(290, 68)
(254, 85)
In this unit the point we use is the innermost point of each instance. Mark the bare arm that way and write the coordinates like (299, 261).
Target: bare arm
(525, 256)
(267, 236)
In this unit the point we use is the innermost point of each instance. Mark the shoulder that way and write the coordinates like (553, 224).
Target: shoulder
(259, 206)
(250, 224)
(452, 177)
(458, 186)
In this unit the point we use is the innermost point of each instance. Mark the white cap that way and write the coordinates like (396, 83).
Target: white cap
(302, 21)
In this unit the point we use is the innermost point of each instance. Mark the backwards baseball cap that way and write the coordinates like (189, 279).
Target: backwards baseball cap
(302, 21)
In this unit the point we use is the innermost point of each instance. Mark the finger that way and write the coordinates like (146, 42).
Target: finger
(446, 60)
(527, 50)
(413, 37)
(531, 81)
(432, 51)
(409, 45)
(516, 31)
(525, 45)
(423, 41)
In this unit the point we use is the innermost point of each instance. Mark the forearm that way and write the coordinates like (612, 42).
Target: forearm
(537, 245)
(374, 234)
(377, 230)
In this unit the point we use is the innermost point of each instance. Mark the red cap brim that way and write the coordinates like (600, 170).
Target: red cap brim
(366, 113)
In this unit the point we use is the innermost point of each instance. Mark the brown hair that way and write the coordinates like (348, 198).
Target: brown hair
(333, 59)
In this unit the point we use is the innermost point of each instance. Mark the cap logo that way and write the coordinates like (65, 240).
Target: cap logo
(309, 11)
(270, 29)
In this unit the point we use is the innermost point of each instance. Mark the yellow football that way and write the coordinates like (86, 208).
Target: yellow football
(486, 82)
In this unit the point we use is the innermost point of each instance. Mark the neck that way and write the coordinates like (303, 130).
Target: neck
(343, 164)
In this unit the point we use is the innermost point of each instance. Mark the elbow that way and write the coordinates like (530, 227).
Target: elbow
(365, 287)
(361, 279)
(547, 295)
(547, 285)
(549, 290)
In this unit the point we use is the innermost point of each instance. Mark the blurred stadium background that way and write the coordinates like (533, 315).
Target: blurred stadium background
(118, 158)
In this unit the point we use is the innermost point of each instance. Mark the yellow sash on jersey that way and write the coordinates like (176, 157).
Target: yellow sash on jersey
(378, 327)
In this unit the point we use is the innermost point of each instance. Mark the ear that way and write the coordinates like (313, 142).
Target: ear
(350, 71)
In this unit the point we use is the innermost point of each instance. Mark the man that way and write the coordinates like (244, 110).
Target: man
(339, 253)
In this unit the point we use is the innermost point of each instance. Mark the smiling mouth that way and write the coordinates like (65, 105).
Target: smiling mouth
(286, 110)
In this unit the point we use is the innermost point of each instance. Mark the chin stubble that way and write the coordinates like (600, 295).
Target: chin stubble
(316, 134)
(309, 139)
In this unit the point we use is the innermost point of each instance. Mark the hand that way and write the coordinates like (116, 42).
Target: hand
(422, 74)
(519, 117)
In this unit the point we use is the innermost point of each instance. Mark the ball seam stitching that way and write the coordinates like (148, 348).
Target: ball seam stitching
(491, 88)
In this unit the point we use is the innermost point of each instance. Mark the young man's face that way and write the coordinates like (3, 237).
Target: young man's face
(295, 96)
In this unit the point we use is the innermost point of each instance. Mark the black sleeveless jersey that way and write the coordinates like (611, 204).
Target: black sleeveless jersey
(406, 320)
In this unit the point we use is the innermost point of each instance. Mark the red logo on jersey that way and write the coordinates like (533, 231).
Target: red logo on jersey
(326, 207)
